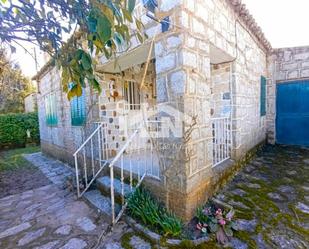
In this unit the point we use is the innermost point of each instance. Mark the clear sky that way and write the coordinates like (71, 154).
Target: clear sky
(284, 22)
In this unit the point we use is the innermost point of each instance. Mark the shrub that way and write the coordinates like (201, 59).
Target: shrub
(13, 129)
(144, 207)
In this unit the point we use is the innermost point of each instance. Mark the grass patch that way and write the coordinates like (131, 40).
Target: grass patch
(13, 159)
(126, 238)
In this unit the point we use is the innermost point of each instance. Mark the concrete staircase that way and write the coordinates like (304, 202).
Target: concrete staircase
(99, 196)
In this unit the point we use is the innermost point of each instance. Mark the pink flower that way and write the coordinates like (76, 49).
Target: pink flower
(219, 211)
(199, 226)
(222, 222)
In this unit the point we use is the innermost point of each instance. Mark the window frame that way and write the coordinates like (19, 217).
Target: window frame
(263, 94)
(78, 109)
(51, 117)
(134, 99)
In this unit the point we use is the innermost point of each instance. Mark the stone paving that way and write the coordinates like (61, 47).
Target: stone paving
(48, 217)
(51, 217)
(54, 170)
(271, 198)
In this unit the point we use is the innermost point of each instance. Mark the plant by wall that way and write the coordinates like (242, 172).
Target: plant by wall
(14, 127)
(214, 218)
(146, 209)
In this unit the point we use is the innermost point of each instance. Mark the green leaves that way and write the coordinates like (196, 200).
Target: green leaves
(77, 70)
(131, 5)
(213, 227)
(92, 24)
(86, 61)
(142, 206)
(65, 78)
(104, 25)
(104, 28)
(127, 15)
(228, 231)
(13, 129)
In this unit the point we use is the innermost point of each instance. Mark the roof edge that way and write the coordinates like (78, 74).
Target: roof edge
(244, 14)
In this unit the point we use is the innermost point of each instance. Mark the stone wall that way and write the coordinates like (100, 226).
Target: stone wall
(285, 64)
(185, 80)
(112, 109)
(30, 102)
(184, 75)
(63, 139)
(221, 90)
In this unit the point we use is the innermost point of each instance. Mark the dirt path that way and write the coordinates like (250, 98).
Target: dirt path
(17, 174)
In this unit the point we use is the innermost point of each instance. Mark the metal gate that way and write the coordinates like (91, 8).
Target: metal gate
(292, 121)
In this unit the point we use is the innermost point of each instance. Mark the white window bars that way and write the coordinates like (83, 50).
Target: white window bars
(221, 131)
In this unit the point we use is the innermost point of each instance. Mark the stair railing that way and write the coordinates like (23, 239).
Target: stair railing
(137, 159)
(92, 152)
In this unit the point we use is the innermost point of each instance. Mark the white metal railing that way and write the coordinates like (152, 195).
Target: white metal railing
(221, 131)
(91, 157)
(136, 159)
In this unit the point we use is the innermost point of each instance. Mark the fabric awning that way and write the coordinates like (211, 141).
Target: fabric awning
(127, 60)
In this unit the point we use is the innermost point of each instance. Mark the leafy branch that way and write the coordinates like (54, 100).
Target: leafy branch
(103, 28)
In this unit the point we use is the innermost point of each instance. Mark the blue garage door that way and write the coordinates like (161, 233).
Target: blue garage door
(292, 123)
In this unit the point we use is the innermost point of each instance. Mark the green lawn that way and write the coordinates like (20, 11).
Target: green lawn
(13, 159)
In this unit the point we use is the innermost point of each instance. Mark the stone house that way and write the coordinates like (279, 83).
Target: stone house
(30, 102)
(206, 63)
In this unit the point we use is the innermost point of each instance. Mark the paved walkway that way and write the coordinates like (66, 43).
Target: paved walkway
(271, 198)
(51, 217)
(48, 217)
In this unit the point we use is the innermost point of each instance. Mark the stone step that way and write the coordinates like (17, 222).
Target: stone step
(101, 203)
(104, 185)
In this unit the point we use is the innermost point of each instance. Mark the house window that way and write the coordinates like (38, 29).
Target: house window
(50, 109)
(78, 110)
(131, 95)
(263, 97)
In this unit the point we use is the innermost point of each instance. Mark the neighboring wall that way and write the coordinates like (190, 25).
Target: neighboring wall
(30, 102)
(61, 140)
(285, 64)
